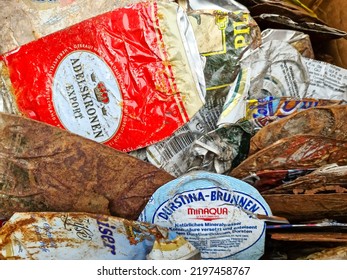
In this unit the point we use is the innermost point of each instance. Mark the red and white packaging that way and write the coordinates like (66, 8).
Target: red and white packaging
(127, 78)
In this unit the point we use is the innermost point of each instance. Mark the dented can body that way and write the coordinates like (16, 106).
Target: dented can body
(81, 236)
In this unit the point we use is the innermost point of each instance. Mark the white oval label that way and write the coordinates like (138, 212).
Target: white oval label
(86, 96)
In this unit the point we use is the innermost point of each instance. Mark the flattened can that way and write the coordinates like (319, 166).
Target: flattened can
(216, 213)
(127, 78)
(84, 236)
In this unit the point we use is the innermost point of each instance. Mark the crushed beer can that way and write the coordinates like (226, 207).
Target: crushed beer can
(265, 180)
(294, 152)
(223, 31)
(283, 106)
(40, 164)
(319, 31)
(328, 178)
(299, 40)
(325, 121)
(292, 14)
(83, 236)
(127, 78)
(24, 21)
(277, 69)
(223, 148)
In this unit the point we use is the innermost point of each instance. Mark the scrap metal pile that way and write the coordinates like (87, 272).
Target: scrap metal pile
(171, 130)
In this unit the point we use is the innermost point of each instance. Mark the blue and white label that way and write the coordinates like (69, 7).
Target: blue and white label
(213, 212)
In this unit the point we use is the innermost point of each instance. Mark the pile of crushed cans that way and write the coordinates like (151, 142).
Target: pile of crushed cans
(170, 130)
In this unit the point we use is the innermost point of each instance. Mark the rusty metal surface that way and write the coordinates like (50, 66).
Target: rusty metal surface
(76, 236)
(299, 151)
(44, 168)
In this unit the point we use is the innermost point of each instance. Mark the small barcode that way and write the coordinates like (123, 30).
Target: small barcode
(182, 139)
